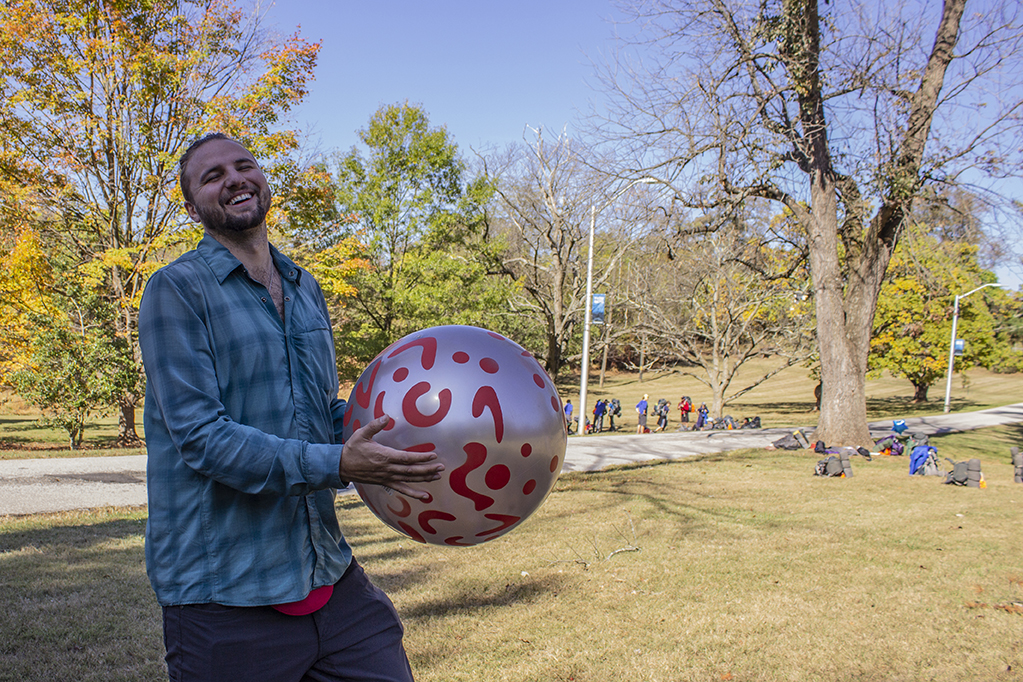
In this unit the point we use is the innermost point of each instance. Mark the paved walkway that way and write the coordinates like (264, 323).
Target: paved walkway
(30, 486)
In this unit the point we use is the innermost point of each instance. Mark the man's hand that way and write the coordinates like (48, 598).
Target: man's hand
(363, 460)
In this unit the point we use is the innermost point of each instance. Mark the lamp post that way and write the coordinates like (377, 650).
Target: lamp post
(585, 368)
(952, 343)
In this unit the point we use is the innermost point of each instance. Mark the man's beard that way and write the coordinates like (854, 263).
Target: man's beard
(225, 223)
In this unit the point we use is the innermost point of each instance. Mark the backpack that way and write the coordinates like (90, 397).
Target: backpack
(832, 466)
(787, 442)
(892, 444)
(959, 474)
(924, 461)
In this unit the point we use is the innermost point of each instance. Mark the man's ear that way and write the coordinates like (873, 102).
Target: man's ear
(192, 213)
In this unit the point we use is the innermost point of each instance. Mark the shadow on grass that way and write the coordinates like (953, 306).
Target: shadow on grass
(476, 599)
(76, 601)
(18, 536)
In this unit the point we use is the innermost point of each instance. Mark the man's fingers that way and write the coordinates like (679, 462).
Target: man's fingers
(373, 428)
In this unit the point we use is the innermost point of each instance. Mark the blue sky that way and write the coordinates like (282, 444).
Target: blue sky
(485, 69)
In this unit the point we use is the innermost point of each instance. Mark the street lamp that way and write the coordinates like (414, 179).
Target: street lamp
(952, 343)
(585, 373)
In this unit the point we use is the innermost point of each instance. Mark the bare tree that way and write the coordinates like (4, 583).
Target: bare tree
(718, 299)
(546, 195)
(841, 118)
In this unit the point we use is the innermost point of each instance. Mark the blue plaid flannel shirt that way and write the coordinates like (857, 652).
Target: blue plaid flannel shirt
(243, 432)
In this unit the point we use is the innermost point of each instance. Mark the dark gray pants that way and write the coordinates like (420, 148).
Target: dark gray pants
(355, 636)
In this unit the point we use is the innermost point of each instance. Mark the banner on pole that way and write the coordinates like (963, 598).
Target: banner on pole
(960, 346)
(598, 308)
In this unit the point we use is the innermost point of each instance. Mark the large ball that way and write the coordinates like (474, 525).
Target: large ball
(489, 411)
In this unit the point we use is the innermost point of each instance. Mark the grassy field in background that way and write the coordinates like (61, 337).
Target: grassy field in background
(785, 400)
(738, 566)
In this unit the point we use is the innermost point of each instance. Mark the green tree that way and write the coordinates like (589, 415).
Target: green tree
(424, 230)
(913, 322)
(98, 100)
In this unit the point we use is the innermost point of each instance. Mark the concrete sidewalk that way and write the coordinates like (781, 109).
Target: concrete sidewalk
(31, 486)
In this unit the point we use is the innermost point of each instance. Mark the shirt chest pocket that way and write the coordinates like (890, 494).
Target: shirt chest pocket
(313, 355)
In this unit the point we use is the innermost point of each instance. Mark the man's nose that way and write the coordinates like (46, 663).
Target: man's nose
(233, 178)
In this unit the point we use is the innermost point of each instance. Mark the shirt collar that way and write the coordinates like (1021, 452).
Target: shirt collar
(223, 262)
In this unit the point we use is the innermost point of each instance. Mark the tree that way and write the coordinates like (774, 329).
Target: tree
(424, 229)
(546, 196)
(841, 118)
(98, 100)
(913, 322)
(720, 299)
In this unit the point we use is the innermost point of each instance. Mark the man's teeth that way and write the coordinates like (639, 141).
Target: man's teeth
(240, 198)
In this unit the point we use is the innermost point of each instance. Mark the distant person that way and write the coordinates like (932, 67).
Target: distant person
(614, 409)
(685, 406)
(641, 408)
(662, 414)
(568, 414)
(701, 416)
(599, 410)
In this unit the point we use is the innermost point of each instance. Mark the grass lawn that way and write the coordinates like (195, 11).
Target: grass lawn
(738, 566)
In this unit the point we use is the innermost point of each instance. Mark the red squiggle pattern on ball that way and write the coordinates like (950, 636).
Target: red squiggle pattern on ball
(529, 487)
(429, 346)
(378, 411)
(412, 532)
(412, 414)
(476, 455)
(454, 542)
(489, 365)
(422, 447)
(538, 380)
(400, 374)
(430, 515)
(485, 397)
(497, 477)
(362, 394)
(505, 520)
(405, 509)
(460, 357)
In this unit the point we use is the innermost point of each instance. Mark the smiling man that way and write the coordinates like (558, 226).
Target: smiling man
(243, 433)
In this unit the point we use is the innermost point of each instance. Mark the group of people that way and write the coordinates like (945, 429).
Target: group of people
(661, 410)
(611, 408)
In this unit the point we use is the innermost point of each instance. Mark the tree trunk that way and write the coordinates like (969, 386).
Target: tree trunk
(920, 392)
(126, 434)
(846, 298)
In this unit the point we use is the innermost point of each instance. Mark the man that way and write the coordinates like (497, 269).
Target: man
(598, 415)
(243, 430)
(641, 408)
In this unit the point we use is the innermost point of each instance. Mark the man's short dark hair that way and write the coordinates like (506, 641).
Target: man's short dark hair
(187, 156)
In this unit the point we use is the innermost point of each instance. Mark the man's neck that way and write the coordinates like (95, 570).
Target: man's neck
(251, 248)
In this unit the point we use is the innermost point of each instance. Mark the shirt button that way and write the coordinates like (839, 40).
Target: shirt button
(291, 274)
(263, 299)
(287, 298)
